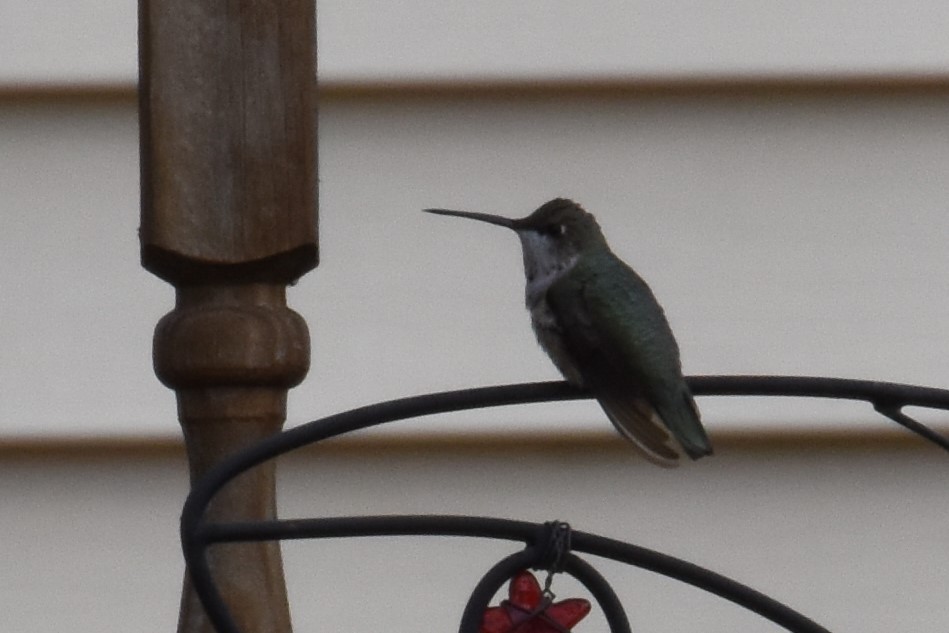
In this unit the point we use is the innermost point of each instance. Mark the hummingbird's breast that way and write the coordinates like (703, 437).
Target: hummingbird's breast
(549, 334)
(544, 265)
(541, 278)
(547, 328)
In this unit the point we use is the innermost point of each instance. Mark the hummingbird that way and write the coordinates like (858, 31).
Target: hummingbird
(604, 330)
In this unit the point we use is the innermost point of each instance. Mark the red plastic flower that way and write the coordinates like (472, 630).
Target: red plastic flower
(524, 611)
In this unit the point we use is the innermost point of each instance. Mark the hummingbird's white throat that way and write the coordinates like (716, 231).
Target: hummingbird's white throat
(545, 261)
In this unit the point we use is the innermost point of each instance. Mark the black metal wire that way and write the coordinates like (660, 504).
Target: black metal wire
(888, 398)
(600, 589)
(489, 585)
(506, 529)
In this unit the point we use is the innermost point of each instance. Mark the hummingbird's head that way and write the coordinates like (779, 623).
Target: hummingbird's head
(553, 237)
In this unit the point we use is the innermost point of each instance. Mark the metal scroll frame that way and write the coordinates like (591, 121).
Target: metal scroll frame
(196, 535)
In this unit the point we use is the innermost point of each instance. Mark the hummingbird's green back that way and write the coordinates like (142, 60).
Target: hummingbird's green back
(622, 345)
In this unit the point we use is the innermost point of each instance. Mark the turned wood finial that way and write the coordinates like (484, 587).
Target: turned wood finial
(228, 153)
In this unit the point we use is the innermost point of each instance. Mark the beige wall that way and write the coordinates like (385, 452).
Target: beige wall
(89, 41)
(794, 231)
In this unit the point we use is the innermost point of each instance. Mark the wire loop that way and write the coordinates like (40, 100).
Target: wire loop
(552, 548)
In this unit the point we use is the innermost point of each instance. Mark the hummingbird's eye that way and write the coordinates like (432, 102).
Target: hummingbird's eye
(554, 230)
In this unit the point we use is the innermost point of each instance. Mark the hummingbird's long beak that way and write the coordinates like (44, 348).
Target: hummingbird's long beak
(484, 217)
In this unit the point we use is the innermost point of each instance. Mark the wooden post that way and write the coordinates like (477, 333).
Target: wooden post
(228, 153)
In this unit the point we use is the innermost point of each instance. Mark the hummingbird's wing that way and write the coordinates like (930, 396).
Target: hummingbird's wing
(622, 346)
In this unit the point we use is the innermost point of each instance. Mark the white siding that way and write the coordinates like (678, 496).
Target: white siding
(786, 231)
(93, 41)
(798, 233)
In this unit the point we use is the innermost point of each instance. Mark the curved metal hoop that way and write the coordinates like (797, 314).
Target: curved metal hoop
(196, 536)
(530, 557)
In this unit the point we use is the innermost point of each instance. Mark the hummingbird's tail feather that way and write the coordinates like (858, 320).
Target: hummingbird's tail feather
(640, 423)
(682, 418)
